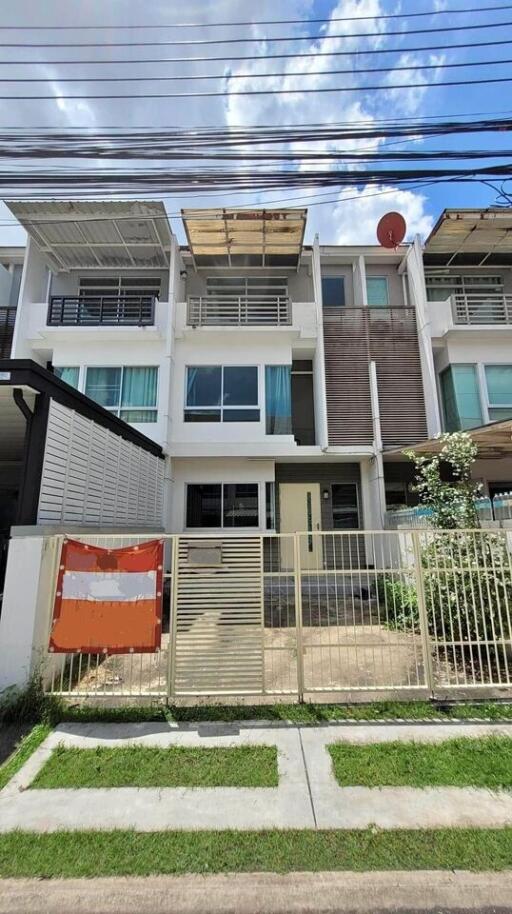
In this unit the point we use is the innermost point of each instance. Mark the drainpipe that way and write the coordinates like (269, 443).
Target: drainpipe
(377, 460)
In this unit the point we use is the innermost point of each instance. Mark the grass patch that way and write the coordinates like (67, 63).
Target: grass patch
(27, 746)
(177, 766)
(462, 762)
(128, 853)
(299, 714)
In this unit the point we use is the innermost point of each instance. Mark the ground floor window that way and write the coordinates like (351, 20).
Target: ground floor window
(222, 504)
(345, 506)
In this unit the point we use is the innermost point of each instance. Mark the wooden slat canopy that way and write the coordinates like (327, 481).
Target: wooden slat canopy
(472, 237)
(250, 238)
(493, 441)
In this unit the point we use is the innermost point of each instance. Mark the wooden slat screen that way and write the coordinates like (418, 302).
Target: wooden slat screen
(388, 336)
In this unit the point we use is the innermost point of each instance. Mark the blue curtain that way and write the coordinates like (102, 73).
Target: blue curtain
(278, 399)
(139, 387)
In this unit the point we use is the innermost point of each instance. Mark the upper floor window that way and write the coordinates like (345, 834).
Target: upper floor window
(333, 291)
(377, 291)
(442, 286)
(68, 374)
(119, 286)
(499, 391)
(129, 392)
(460, 396)
(216, 393)
(247, 287)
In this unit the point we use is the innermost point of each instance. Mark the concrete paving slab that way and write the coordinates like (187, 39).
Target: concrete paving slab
(307, 796)
(267, 893)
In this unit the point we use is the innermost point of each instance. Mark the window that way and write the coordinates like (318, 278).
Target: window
(222, 505)
(499, 391)
(270, 505)
(129, 392)
(461, 400)
(119, 286)
(252, 287)
(278, 399)
(69, 375)
(345, 508)
(377, 291)
(333, 291)
(441, 286)
(222, 394)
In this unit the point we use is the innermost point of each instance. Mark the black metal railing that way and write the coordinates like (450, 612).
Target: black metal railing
(7, 321)
(101, 310)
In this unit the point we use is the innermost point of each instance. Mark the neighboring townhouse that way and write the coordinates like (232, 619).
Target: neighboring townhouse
(11, 267)
(468, 276)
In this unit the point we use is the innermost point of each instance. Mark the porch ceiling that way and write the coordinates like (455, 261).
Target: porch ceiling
(471, 237)
(89, 235)
(493, 441)
(252, 238)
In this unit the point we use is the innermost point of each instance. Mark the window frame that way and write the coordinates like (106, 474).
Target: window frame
(488, 404)
(117, 410)
(484, 415)
(340, 278)
(256, 526)
(380, 277)
(221, 408)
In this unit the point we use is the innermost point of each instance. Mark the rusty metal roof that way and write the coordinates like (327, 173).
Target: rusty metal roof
(245, 238)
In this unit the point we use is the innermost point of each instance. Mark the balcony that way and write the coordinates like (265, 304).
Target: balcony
(239, 311)
(7, 321)
(478, 308)
(101, 310)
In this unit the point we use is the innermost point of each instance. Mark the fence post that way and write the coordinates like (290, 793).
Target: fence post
(173, 619)
(298, 616)
(422, 612)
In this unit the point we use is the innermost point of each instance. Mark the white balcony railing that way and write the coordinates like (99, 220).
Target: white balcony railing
(238, 310)
(481, 308)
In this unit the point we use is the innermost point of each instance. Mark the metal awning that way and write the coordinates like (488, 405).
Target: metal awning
(493, 441)
(245, 238)
(92, 235)
(471, 237)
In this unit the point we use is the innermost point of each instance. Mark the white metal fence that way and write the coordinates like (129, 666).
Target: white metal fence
(342, 613)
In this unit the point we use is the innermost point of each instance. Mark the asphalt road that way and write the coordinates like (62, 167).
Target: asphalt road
(266, 893)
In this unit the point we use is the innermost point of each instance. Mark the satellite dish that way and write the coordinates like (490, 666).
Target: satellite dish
(391, 230)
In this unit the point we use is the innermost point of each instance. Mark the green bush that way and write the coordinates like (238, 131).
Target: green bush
(399, 605)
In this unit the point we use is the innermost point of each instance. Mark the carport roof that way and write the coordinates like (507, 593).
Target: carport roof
(102, 234)
(493, 441)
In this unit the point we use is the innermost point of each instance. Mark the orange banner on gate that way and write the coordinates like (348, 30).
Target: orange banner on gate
(108, 600)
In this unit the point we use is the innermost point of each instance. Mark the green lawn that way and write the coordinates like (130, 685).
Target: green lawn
(27, 746)
(128, 853)
(177, 766)
(485, 762)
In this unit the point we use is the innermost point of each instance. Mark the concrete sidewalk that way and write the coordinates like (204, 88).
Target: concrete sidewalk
(307, 796)
(265, 893)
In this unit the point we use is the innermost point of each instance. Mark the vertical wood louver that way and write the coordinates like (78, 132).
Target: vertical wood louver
(388, 336)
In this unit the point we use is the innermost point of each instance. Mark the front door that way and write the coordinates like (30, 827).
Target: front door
(299, 511)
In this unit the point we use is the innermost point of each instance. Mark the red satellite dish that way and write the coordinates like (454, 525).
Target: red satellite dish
(391, 230)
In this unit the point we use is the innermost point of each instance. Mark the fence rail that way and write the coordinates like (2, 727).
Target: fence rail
(346, 613)
(101, 310)
(239, 310)
(481, 308)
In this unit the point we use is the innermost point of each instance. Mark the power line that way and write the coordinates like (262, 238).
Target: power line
(298, 91)
(142, 79)
(250, 22)
(253, 40)
(222, 58)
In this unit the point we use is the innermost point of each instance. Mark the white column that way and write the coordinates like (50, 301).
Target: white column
(418, 299)
(319, 389)
(24, 623)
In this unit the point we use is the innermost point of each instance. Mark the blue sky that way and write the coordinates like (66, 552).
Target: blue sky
(342, 219)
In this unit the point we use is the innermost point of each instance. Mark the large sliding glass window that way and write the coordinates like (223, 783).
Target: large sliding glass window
(377, 291)
(278, 399)
(129, 392)
(216, 393)
(461, 399)
(499, 391)
(222, 505)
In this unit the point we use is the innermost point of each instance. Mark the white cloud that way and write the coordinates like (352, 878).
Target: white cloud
(354, 218)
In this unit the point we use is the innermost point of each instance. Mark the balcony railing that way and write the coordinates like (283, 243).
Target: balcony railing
(101, 310)
(7, 321)
(481, 308)
(239, 311)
